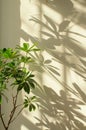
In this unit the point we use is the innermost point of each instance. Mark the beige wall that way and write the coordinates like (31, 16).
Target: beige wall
(61, 68)
(10, 23)
(9, 36)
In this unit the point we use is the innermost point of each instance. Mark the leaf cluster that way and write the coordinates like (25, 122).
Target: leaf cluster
(29, 102)
(11, 69)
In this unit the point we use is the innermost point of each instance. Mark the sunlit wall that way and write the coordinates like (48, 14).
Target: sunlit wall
(58, 26)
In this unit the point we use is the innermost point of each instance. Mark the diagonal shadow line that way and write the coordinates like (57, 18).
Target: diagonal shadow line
(65, 7)
(53, 105)
(76, 33)
(63, 62)
(82, 94)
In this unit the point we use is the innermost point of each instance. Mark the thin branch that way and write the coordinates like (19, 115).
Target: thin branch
(17, 114)
(13, 110)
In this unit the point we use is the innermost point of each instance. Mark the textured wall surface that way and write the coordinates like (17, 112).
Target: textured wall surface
(58, 26)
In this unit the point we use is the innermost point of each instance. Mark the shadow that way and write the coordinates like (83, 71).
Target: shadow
(81, 93)
(65, 8)
(68, 9)
(82, 2)
(61, 46)
(24, 122)
(60, 111)
(80, 17)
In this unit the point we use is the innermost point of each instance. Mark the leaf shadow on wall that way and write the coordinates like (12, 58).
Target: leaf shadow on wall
(80, 17)
(67, 9)
(62, 109)
(64, 7)
(62, 47)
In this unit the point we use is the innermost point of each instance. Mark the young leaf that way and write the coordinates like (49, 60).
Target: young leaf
(25, 46)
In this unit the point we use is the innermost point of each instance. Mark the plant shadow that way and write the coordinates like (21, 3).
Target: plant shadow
(59, 110)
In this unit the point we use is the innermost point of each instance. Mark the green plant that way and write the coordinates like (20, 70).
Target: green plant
(15, 74)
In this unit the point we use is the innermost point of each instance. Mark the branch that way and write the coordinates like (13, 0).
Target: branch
(13, 110)
(17, 114)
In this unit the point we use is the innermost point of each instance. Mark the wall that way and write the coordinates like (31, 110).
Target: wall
(10, 23)
(59, 29)
(9, 36)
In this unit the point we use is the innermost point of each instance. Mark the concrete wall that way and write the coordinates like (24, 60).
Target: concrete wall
(61, 63)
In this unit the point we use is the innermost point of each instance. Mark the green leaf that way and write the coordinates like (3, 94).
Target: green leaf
(32, 85)
(32, 107)
(4, 49)
(26, 87)
(25, 59)
(31, 81)
(35, 49)
(34, 97)
(25, 46)
(26, 102)
(25, 105)
(31, 75)
(19, 73)
(20, 87)
(8, 53)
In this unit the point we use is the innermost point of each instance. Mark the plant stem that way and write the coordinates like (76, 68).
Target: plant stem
(12, 112)
(17, 114)
(11, 119)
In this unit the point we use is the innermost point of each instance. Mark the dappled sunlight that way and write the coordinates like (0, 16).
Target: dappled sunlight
(56, 16)
(58, 28)
(61, 63)
(27, 12)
